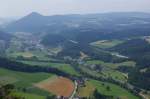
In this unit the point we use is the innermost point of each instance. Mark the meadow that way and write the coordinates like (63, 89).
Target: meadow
(106, 43)
(61, 66)
(115, 90)
(25, 81)
(28, 95)
(112, 65)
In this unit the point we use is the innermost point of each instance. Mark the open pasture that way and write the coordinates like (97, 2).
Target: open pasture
(106, 43)
(7, 80)
(112, 65)
(28, 95)
(23, 54)
(61, 66)
(114, 90)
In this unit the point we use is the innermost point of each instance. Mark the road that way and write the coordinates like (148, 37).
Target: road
(75, 90)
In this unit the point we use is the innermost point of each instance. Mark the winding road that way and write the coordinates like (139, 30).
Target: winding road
(75, 90)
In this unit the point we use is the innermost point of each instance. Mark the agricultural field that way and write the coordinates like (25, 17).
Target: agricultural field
(106, 43)
(23, 80)
(108, 69)
(29, 54)
(55, 50)
(106, 74)
(61, 66)
(115, 75)
(41, 55)
(58, 85)
(112, 65)
(7, 80)
(91, 72)
(28, 95)
(86, 91)
(115, 91)
(23, 54)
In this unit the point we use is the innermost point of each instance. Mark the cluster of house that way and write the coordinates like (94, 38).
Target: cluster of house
(29, 41)
(61, 97)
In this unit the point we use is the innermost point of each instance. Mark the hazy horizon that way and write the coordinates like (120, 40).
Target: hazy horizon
(19, 8)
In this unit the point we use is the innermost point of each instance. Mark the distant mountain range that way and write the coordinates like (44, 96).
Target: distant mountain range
(85, 28)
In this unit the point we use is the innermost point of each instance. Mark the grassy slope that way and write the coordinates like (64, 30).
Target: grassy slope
(115, 75)
(87, 90)
(24, 79)
(106, 44)
(64, 67)
(112, 65)
(29, 54)
(106, 74)
(28, 96)
(115, 90)
(24, 54)
(110, 70)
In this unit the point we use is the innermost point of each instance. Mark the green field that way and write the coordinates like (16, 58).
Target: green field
(23, 80)
(112, 65)
(115, 91)
(86, 91)
(28, 95)
(23, 54)
(106, 74)
(91, 72)
(106, 43)
(64, 67)
(115, 75)
(109, 69)
(41, 55)
(7, 80)
(29, 54)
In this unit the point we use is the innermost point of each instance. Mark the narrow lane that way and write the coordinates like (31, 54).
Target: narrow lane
(75, 90)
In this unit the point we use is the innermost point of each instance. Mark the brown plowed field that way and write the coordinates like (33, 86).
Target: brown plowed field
(59, 86)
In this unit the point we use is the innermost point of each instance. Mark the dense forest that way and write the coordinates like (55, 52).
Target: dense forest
(139, 51)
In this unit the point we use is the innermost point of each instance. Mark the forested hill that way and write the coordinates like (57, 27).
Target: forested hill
(137, 49)
(94, 26)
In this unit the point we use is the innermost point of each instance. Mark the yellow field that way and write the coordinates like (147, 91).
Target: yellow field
(87, 90)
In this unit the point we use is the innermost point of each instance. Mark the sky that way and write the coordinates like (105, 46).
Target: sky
(18, 8)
